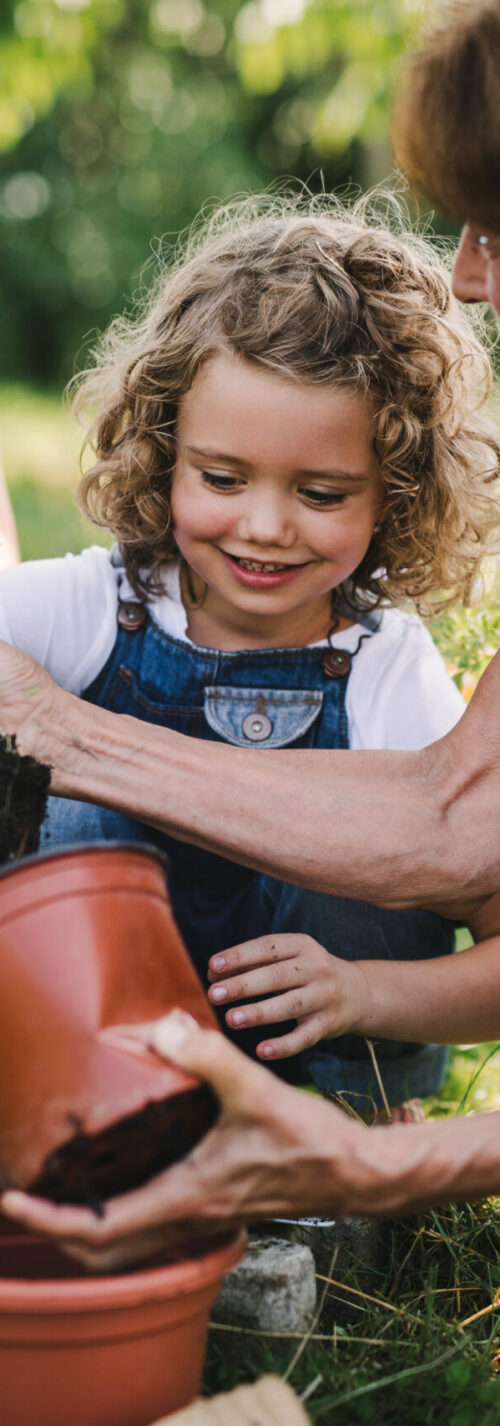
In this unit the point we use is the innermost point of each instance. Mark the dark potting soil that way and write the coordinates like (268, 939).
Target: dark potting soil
(91, 1168)
(24, 785)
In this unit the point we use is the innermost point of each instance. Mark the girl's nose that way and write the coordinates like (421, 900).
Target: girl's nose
(469, 270)
(265, 521)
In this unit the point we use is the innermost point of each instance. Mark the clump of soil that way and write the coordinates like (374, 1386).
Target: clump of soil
(24, 785)
(88, 1169)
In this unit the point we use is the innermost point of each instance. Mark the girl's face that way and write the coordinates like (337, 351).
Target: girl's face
(275, 495)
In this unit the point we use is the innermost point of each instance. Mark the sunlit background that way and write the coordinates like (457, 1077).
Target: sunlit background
(118, 120)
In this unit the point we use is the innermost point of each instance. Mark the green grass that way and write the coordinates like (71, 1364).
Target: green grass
(406, 1358)
(411, 1355)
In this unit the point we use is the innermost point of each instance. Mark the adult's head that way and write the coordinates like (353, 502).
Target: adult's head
(447, 135)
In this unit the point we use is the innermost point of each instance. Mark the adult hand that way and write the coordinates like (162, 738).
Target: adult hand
(273, 1151)
(327, 996)
(30, 702)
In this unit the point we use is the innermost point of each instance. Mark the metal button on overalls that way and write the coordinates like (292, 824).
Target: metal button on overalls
(257, 727)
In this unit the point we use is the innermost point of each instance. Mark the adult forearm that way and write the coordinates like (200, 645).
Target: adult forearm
(408, 1167)
(399, 829)
(9, 544)
(364, 825)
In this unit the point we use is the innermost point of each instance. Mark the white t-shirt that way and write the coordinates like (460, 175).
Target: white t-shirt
(63, 612)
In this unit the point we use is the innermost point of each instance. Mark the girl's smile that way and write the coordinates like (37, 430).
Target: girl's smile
(261, 574)
(275, 495)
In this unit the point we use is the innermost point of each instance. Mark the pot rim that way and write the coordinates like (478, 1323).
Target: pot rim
(76, 848)
(105, 1292)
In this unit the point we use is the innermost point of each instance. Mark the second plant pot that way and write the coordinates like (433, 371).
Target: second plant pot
(103, 1351)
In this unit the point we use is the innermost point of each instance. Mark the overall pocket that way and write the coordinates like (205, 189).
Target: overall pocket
(127, 696)
(262, 718)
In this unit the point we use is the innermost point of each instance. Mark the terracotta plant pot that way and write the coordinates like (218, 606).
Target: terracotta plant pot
(88, 944)
(102, 1351)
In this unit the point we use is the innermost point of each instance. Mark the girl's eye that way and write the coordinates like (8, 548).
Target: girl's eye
(220, 482)
(325, 499)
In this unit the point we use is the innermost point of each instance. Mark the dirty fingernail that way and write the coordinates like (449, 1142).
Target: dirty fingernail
(217, 962)
(238, 1017)
(218, 993)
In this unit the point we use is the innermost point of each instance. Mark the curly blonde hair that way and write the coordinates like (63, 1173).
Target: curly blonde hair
(323, 293)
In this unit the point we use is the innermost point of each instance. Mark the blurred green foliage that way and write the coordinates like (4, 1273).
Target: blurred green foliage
(468, 639)
(119, 118)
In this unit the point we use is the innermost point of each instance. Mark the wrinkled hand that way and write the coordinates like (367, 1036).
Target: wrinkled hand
(326, 995)
(273, 1151)
(29, 702)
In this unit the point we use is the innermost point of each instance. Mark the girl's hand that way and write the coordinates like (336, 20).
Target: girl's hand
(327, 996)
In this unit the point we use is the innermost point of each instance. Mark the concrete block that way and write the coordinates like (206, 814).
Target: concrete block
(273, 1288)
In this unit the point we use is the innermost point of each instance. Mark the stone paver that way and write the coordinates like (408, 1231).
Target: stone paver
(273, 1288)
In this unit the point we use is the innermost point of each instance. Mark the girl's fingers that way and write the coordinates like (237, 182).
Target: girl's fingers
(268, 980)
(264, 950)
(293, 1005)
(302, 1038)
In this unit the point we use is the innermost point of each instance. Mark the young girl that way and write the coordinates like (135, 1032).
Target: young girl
(287, 444)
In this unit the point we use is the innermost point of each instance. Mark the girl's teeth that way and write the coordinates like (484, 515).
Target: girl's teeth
(261, 568)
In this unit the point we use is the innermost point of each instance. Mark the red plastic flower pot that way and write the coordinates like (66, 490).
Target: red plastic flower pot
(88, 945)
(102, 1351)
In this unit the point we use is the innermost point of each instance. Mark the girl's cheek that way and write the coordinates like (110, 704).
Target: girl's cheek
(200, 518)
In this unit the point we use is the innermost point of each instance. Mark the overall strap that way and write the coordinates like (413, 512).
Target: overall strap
(336, 662)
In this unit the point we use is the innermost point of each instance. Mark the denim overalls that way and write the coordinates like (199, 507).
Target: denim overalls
(269, 698)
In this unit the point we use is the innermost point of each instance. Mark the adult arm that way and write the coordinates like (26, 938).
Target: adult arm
(283, 1153)
(398, 829)
(9, 543)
